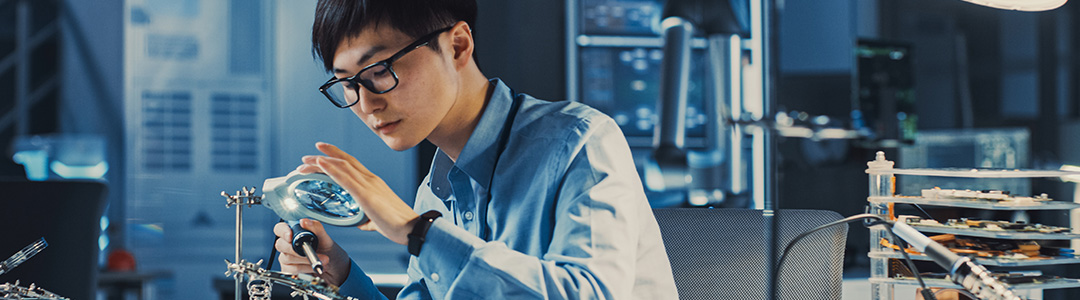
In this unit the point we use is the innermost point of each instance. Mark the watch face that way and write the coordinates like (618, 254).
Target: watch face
(326, 198)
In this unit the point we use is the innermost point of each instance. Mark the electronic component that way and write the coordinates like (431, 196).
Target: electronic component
(988, 195)
(1058, 251)
(982, 247)
(14, 291)
(303, 285)
(964, 223)
(1011, 278)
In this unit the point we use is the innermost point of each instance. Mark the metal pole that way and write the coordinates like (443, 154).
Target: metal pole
(248, 198)
(239, 245)
(762, 13)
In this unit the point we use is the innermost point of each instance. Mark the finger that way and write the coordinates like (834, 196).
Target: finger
(284, 245)
(294, 264)
(296, 268)
(351, 179)
(308, 169)
(335, 152)
(341, 172)
(331, 150)
(300, 260)
(289, 259)
(282, 230)
(309, 159)
(316, 227)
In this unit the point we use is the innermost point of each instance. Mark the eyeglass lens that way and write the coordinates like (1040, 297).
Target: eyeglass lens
(377, 79)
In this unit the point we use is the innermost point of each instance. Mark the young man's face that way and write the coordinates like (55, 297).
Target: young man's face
(426, 89)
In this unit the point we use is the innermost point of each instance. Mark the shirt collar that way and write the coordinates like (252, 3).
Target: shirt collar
(477, 158)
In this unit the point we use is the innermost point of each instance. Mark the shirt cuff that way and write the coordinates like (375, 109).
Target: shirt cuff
(445, 252)
(359, 285)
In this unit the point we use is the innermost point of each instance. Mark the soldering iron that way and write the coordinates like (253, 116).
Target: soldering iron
(305, 243)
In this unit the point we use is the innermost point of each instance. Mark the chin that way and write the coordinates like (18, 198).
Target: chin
(399, 144)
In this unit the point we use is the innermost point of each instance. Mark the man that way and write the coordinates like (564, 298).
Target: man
(525, 198)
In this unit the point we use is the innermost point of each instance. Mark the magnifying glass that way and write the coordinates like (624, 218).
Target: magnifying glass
(315, 196)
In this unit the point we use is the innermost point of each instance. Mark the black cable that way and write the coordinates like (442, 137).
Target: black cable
(880, 221)
(273, 250)
(911, 265)
(923, 211)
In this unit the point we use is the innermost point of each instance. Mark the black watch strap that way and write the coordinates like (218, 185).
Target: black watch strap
(419, 231)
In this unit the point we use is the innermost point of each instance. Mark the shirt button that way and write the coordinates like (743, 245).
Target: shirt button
(468, 215)
(435, 277)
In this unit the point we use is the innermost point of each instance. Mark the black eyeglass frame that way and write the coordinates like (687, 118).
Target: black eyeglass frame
(388, 63)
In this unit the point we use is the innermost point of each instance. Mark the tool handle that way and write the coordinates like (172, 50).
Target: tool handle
(301, 236)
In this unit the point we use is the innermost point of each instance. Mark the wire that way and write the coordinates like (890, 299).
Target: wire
(880, 221)
(273, 251)
(923, 211)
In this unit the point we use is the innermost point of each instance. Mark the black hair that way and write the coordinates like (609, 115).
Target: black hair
(336, 20)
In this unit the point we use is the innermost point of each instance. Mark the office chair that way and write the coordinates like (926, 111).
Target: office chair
(720, 253)
(68, 215)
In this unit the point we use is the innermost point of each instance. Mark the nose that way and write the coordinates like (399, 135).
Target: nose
(369, 103)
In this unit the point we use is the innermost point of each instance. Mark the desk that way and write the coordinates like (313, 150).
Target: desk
(116, 284)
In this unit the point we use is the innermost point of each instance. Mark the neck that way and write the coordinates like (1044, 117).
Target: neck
(458, 124)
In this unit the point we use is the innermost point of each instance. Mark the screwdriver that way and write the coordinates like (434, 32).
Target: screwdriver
(305, 243)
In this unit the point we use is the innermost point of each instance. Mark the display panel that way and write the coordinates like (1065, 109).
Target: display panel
(624, 82)
(615, 17)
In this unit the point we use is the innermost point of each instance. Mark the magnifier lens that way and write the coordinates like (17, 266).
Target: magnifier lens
(326, 198)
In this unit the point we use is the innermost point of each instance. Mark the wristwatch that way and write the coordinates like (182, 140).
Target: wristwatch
(419, 231)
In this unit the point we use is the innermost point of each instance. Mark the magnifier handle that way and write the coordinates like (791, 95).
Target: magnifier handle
(302, 236)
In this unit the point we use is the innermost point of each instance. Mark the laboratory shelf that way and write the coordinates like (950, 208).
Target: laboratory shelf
(975, 173)
(997, 234)
(882, 179)
(1000, 262)
(1056, 283)
(977, 203)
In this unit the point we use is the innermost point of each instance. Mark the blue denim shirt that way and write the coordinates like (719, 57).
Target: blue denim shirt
(567, 218)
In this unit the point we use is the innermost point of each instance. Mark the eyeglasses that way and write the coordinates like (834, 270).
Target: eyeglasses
(379, 77)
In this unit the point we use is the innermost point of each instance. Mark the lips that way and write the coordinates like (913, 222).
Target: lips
(387, 127)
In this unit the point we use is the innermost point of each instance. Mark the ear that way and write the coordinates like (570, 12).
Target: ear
(461, 44)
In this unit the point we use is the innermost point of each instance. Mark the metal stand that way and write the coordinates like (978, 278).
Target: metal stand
(243, 197)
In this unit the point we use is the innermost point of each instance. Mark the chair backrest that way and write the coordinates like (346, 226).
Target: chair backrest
(720, 253)
(68, 215)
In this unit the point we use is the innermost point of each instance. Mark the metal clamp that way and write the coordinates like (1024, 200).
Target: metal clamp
(244, 196)
(303, 285)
